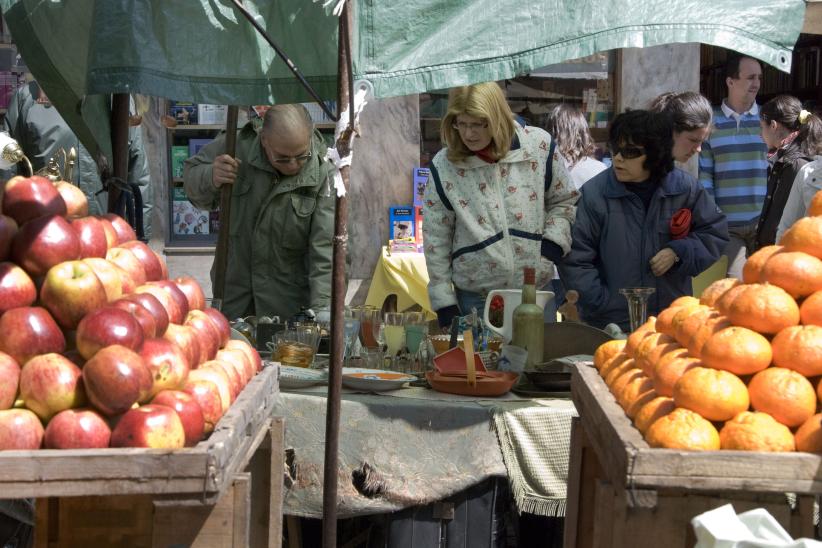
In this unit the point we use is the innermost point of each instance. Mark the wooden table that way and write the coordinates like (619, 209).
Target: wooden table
(225, 491)
(621, 492)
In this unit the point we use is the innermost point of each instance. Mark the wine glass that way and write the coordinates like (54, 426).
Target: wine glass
(416, 331)
(352, 328)
(394, 333)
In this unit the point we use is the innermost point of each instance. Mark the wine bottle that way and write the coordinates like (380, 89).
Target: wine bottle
(528, 322)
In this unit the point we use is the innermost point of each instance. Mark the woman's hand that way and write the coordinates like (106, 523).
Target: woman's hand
(663, 261)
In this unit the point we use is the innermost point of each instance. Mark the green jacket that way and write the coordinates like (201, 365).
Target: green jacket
(281, 228)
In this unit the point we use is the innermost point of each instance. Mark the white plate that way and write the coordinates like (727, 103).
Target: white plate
(374, 380)
(300, 377)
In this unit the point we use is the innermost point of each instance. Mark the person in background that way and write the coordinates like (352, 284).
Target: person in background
(807, 183)
(692, 115)
(641, 223)
(282, 214)
(40, 130)
(500, 199)
(569, 128)
(733, 165)
(794, 137)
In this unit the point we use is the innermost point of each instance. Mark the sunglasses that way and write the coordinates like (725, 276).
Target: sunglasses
(628, 152)
(288, 159)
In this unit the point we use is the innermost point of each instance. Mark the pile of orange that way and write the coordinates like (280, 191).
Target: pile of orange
(739, 368)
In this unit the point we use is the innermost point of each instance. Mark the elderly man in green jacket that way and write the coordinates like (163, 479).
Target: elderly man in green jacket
(282, 214)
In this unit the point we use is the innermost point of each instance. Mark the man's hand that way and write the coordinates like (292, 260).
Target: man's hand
(224, 170)
(663, 261)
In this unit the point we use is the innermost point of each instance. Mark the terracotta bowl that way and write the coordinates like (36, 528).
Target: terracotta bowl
(489, 383)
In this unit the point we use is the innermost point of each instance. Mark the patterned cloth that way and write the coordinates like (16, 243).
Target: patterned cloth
(535, 440)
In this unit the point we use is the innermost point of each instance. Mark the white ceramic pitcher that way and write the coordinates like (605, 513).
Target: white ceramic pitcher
(511, 299)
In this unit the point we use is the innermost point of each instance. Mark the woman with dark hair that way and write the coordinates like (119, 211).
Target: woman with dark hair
(793, 136)
(568, 127)
(691, 114)
(641, 223)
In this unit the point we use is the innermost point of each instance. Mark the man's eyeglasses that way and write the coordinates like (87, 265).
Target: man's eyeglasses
(472, 126)
(628, 152)
(288, 159)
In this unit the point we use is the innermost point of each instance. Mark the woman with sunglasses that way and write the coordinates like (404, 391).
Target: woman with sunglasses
(499, 199)
(641, 223)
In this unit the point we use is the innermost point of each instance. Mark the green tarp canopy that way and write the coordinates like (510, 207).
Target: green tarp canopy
(205, 51)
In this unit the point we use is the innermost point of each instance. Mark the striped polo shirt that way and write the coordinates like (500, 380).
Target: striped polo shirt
(733, 167)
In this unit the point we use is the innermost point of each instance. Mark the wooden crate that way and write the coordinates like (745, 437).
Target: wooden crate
(621, 492)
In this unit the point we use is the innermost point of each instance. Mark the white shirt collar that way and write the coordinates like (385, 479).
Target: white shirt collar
(731, 113)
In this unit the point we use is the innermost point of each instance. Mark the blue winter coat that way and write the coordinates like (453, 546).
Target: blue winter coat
(614, 239)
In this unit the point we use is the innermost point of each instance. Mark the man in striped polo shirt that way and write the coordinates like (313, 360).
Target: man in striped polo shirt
(733, 163)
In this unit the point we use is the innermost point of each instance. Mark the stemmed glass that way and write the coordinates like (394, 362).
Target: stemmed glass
(637, 298)
(394, 332)
(416, 331)
(352, 328)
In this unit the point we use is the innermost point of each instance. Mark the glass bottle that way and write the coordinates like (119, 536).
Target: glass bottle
(528, 322)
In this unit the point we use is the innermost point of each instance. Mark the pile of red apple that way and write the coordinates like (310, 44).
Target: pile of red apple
(98, 348)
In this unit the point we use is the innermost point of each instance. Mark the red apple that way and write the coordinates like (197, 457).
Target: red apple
(163, 265)
(143, 316)
(144, 254)
(109, 275)
(167, 363)
(172, 308)
(153, 426)
(185, 337)
(111, 234)
(9, 380)
(221, 323)
(92, 236)
(187, 409)
(28, 331)
(106, 326)
(8, 228)
(155, 308)
(239, 361)
(128, 283)
(125, 233)
(70, 291)
(207, 334)
(208, 397)
(235, 383)
(77, 429)
(44, 242)
(219, 378)
(127, 260)
(20, 429)
(26, 198)
(193, 292)
(75, 199)
(250, 352)
(114, 379)
(50, 383)
(16, 287)
(176, 295)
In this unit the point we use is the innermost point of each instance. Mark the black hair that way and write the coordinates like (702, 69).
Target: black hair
(650, 130)
(732, 65)
(688, 110)
(787, 111)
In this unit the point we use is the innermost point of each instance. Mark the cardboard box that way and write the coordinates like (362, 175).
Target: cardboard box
(179, 154)
(212, 114)
(401, 222)
(420, 177)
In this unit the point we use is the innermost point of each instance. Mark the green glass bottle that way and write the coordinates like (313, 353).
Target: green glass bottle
(528, 322)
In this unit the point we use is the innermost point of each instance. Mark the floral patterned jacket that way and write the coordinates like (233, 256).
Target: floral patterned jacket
(484, 222)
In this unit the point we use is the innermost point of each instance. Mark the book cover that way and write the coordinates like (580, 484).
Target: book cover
(418, 228)
(179, 154)
(212, 114)
(401, 222)
(185, 218)
(194, 145)
(184, 113)
(420, 177)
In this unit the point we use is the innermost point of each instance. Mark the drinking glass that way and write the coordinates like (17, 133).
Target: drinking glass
(352, 329)
(394, 333)
(416, 332)
(637, 298)
(370, 321)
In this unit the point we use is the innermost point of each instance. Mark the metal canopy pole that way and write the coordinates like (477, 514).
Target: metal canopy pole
(345, 99)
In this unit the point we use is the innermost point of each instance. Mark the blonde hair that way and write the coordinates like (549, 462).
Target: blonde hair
(487, 102)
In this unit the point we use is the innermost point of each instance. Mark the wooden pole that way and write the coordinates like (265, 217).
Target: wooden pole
(332, 418)
(221, 253)
(119, 145)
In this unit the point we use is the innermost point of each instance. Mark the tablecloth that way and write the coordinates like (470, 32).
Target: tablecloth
(403, 275)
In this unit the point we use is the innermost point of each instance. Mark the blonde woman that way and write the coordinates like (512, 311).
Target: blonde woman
(500, 199)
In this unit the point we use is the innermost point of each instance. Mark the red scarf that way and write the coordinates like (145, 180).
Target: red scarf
(485, 155)
(785, 142)
(680, 224)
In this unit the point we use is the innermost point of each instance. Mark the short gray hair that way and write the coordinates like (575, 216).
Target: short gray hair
(288, 119)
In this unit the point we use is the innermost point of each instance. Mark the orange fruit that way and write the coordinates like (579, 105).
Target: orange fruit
(685, 329)
(670, 370)
(606, 351)
(713, 324)
(636, 337)
(810, 311)
(683, 429)
(738, 350)
(723, 303)
(796, 272)
(799, 347)
(685, 300)
(715, 394)
(764, 308)
(640, 401)
(613, 363)
(784, 394)
(815, 207)
(651, 348)
(755, 432)
(805, 235)
(637, 387)
(622, 380)
(713, 292)
(664, 322)
(653, 410)
(809, 436)
(752, 270)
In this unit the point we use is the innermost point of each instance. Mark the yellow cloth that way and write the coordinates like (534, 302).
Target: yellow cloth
(403, 275)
